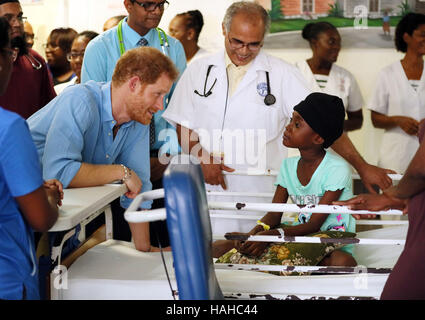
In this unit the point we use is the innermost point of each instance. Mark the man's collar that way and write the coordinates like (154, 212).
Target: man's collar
(107, 103)
(133, 37)
(107, 116)
(228, 62)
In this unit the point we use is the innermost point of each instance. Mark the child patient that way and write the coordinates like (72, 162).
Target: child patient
(314, 177)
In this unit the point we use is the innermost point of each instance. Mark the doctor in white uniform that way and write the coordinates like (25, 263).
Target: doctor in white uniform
(398, 101)
(323, 75)
(231, 108)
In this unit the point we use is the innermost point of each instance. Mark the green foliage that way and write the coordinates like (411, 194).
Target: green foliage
(276, 11)
(335, 10)
(404, 7)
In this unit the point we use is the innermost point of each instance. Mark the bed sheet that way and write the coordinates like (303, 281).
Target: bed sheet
(116, 270)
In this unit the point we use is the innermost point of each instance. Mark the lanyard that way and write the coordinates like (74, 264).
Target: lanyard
(162, 36)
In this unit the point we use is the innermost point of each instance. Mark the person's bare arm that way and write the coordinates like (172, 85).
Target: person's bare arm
(316, 220)
(211, 166)
(412, 183)
(354, 121)
(141, 236)
(382, 121)
(271, 219)
(91, 175)
(40, 208)
(313, 225)
(158, 166)
(370, 174)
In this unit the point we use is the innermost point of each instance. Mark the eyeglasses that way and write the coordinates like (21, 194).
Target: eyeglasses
(152, 6)
(50, 46)
(75, 55)
(237, 44)
(12, 53)
(11, 18)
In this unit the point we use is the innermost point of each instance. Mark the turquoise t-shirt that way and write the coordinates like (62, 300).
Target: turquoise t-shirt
(332, 174)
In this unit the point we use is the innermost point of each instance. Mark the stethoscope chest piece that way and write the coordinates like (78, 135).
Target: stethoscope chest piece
(269, 99)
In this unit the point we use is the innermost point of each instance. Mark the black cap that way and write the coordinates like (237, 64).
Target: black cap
(6, 1)
(325, 114)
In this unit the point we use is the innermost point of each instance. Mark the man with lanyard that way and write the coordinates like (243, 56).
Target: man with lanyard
(140, 28)
(247, 96)
(30, 74)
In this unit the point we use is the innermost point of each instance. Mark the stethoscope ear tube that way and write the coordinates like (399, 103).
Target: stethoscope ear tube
(269, 99)
(209, 92)
(163, 39)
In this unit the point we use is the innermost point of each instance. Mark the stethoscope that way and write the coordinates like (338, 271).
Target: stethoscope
(34, 62)
(162, 36)
(269, 99)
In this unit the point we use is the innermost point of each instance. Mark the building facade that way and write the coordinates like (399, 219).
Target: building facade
(374, 8)
(305, 8)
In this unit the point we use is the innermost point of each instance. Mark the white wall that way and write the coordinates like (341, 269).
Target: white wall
(91, 14)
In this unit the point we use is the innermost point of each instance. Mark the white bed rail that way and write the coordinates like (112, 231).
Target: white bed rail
(286, 207)
(136, 215)
(315, 269)
(254, 172)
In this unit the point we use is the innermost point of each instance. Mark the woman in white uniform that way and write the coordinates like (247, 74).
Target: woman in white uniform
(323, 75)
(398, 102)
(186, 28)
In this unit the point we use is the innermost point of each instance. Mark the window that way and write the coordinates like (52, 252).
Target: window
(307, 6)
(373, 5)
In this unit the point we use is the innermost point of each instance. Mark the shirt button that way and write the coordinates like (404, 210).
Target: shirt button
(109, 134)
(107, 156)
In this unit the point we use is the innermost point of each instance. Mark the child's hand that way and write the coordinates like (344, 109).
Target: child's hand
(252, 248)
(54, 189)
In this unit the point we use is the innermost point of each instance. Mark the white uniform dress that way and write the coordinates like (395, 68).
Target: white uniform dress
(61, 86)
(341, 83)
(395, 96)
(241, 126)
(199, 54)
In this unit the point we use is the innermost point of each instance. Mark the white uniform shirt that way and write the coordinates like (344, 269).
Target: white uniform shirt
(241, 126)
(394, 96)
(341, 83)
(61, 86)
(199, 54)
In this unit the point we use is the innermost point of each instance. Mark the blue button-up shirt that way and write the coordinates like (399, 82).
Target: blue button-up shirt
(76, 127)
(101, 56)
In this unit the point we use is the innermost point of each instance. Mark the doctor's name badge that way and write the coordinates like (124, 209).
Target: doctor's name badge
(262, 89)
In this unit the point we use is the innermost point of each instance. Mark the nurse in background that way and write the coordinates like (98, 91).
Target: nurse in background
(323, 75)
(57, 48)
(75, 58)
(186, 28)
(398, 101)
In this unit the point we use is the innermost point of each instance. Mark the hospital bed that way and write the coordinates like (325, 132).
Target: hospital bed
(116, 270)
